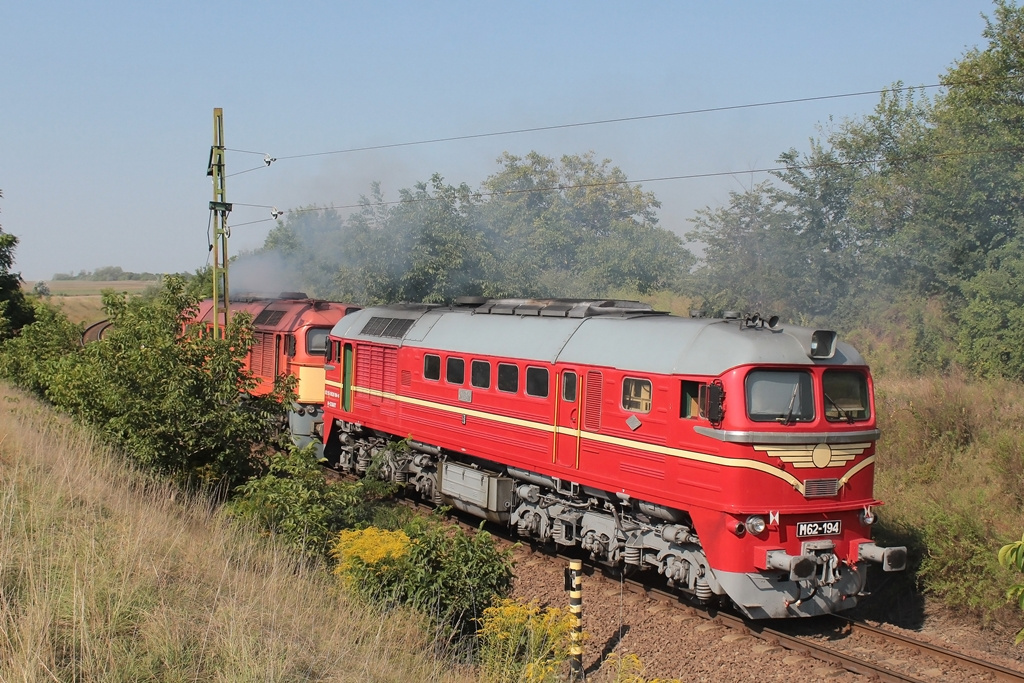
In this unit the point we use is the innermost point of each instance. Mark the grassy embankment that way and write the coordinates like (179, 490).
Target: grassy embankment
(951, 472)
(108, 574)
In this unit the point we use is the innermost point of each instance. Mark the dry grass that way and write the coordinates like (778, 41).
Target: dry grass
(951, 471)
(81, 300)
(86, 308)
(108, 575)
(953, 441)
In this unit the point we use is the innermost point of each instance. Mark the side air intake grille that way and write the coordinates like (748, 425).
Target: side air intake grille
(821, 488)
(387, 327)
(268, 318)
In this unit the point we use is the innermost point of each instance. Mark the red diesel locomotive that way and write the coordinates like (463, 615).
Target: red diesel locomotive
(733, 456)
(290, 339)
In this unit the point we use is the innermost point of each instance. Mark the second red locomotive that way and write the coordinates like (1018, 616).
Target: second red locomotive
(733, 456)
(290, 339)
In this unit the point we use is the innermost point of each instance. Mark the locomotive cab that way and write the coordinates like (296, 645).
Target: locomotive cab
(290, 338)
(807, 530)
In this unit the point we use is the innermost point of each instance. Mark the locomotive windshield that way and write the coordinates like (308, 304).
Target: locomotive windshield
(780, 396)
(846, 395)
(316, 340)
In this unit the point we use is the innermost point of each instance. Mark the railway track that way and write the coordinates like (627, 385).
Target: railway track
(95, 331)
(874, 653)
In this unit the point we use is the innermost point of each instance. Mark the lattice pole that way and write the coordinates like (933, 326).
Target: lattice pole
(220, 208)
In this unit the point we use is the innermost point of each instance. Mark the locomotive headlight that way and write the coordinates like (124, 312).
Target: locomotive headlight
(755, 524)
(867, 517)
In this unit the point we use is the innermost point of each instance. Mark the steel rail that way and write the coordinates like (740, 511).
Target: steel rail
(998, 672)
(821, 652)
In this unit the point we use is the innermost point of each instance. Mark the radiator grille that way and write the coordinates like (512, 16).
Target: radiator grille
(592, 407)
(821, 488)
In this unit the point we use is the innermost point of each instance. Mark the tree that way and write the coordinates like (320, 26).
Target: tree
(536, 228)
(991, 330)
(748, 254)
(975, 178)
(172, 400)
(15, 312)
(576, 227)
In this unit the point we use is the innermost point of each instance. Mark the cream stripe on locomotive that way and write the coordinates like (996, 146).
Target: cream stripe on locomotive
(638, 445)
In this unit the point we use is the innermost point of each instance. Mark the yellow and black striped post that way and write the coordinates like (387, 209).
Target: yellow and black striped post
(574, 584)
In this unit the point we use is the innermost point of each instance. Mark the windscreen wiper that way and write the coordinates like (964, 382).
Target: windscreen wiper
(842, 413)
(792, 402)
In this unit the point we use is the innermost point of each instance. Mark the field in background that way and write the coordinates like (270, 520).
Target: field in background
(112, 575)
(93, 288)
(81, 300)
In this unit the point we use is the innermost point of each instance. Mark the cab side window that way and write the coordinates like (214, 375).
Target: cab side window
(636, 395)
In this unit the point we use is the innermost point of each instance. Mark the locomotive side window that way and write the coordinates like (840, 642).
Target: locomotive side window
(455, 370)
(316, 340)
(537, 382)
(569, 386)
(846, 395)
(480, 374)
(780, 396)
(431, 366)
(689, 399)
(636, 395)
(508, 377)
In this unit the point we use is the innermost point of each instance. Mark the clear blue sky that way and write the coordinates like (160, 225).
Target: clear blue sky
(106, 108)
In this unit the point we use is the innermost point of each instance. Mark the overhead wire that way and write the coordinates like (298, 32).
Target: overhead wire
(658, 179)
(619, 120)
(626, 119)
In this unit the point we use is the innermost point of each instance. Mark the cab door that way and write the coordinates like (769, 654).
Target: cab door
(567, 419)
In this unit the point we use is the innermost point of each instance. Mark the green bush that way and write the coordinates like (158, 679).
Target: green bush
(449, 575)
(295, 501)
(1011, 556)
(171, 401)
(454, 575)
(31, 359)
(958, 566)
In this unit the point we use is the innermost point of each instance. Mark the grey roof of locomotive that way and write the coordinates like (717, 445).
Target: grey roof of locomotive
(633, 337)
